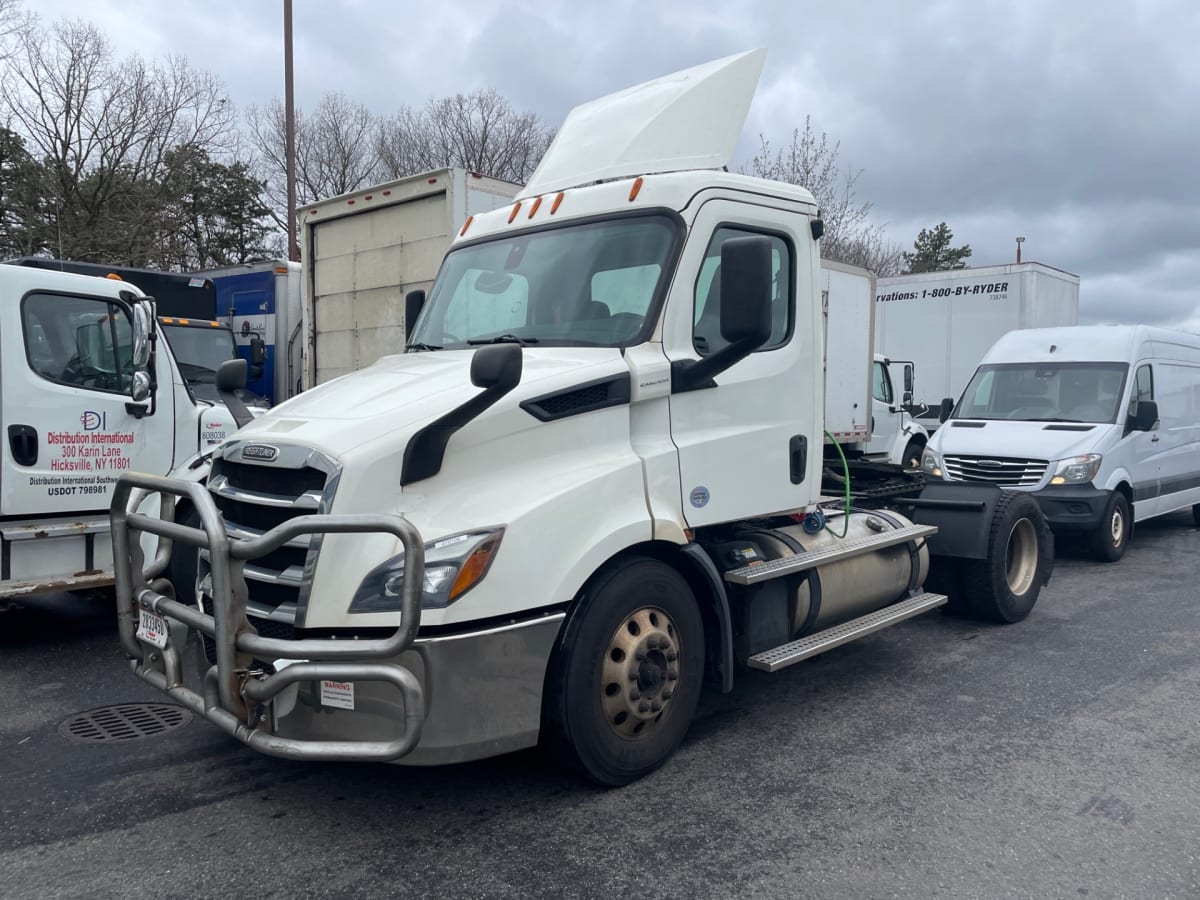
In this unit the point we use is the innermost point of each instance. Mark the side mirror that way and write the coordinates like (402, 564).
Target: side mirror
(256, 372)
(258, 352)
(230, 379)
(1146, 417)
(746, 291)
(908, 379)
(497, 366)
(139, 386)
(745, 273)
(946, 408)
(143, 324)
(414, 302)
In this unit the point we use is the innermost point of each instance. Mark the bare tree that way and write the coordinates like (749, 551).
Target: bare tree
(811, 162)
(335, 150)
(479, 131)
(105, 131)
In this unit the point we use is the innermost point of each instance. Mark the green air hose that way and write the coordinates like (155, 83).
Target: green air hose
(846, 473)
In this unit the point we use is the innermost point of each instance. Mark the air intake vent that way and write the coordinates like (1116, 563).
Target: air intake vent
(582, 399)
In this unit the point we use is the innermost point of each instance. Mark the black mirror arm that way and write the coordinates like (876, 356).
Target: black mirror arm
(697, 374)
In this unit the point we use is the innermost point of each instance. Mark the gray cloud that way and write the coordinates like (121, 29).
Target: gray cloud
(1070, 123)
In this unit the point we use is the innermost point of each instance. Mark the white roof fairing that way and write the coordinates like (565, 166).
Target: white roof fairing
(686, 120)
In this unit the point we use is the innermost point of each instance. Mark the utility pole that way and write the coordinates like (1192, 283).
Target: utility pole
(289, 102)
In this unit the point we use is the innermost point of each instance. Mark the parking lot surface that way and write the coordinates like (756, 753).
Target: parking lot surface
(942, 758)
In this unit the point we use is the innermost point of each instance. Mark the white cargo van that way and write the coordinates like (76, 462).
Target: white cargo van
(1101, 423)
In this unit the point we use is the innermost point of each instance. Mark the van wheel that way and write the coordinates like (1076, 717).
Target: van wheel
(1108, 542)
(1005, 586)
(625, 678)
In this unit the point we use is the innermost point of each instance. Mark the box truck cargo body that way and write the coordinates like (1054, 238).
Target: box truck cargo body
(362, 252)
(946, 321)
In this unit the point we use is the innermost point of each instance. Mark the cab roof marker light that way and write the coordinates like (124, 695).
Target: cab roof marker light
(636, 189)
(533, 209)
(516, 209)
(466, 225)
(557, 203)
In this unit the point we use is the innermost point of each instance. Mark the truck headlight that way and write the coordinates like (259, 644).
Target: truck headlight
(453, 565)
(931, 463)
(1077, 469)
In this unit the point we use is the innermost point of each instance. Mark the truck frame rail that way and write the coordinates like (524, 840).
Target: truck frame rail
(233, 695)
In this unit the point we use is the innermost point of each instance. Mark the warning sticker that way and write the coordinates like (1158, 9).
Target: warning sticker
(337, 693)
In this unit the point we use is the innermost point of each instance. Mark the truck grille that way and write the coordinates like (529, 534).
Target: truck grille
(1003, 471)
(255, 496)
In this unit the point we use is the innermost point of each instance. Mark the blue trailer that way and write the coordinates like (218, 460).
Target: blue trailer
(262, 300)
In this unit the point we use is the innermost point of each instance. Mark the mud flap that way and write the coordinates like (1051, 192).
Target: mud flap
(962, 512)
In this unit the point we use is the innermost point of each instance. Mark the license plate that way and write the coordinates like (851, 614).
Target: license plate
(152, 628)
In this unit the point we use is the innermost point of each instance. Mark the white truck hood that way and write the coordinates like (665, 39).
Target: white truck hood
(1017, 440)
(401, 393)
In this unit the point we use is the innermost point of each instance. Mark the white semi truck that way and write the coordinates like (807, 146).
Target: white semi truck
(593, 482)
(362, 252)
(75, 416)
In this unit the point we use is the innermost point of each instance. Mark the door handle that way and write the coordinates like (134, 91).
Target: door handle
(1154, 439)
(23, 440)
(798, 454)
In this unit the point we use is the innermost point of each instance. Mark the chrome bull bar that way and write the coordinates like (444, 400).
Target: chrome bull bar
(232, 696)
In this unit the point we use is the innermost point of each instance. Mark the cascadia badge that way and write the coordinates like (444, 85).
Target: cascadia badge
(260, 452)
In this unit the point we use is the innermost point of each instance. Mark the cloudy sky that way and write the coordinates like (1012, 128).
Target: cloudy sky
(1071, 122)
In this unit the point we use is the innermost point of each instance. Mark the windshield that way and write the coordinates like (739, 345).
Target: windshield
(583, 285)
(199, 350)
(1045, 392)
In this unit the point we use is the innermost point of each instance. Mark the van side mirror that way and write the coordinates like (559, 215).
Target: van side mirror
(1146, 417)
(945, 409)
(745, 285)
(414, 302)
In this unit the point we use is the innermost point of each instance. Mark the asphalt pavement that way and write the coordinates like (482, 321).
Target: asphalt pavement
(1059, 757)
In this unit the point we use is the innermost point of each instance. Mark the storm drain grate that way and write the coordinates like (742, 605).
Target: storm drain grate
(124, 722)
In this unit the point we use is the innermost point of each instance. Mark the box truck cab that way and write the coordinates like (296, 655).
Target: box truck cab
(1101, 423)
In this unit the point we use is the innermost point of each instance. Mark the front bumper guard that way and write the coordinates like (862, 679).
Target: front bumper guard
(233, 696)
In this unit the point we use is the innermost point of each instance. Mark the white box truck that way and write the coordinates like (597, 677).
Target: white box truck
(362, 252)
(944, 322)
(594, 482)
(75, 416)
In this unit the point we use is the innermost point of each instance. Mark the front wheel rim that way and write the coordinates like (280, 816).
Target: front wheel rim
(1117, 527)
(640, 674)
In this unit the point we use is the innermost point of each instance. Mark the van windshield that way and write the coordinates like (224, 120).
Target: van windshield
(1045, 392)
(592, 284)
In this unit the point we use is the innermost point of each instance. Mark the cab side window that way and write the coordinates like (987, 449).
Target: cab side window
(1143, 388)
(881, 385)
(706, 334)
(78, 341)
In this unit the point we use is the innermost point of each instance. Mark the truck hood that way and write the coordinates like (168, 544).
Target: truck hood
(1024, 440)
(401, 393)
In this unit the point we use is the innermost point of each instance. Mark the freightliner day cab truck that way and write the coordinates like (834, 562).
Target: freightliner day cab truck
(592, 482)
(76, 415)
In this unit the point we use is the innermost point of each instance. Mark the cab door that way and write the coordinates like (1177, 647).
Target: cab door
(752, 444)
(886, 417)
(69, 427)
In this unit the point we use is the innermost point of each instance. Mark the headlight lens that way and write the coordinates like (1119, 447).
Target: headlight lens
(931, 463)
(453, 565)
(1077, 469)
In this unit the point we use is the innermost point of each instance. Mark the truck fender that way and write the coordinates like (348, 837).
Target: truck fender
(907, 433)
(962, 512)
(710, 594)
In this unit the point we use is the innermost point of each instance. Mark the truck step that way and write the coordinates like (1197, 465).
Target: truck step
(801, 562)
(814, 644)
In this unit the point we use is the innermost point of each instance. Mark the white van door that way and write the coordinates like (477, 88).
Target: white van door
(69, 427)
(1177, 393)
(1143, 449)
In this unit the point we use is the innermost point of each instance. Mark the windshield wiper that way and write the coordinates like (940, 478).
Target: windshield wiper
(507, 338)
(420, 346)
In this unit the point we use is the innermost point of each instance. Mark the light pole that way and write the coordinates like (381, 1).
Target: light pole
(289, 129)
(1020, 241)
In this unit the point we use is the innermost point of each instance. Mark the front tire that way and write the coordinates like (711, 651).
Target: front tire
(1005, 585)
(185, 560)
(912, 454)
(1108, 542)
(625, 678)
